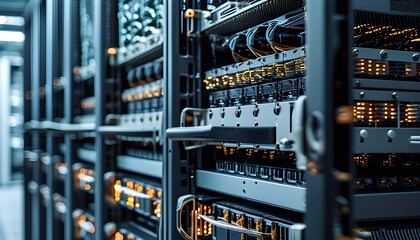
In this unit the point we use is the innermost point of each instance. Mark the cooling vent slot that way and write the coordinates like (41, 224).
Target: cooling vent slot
(409, 6)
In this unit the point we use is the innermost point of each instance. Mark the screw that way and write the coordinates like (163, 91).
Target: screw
(277, 109)
(256, 111)
(384, 54)
(415, 56)
(363, 133)
(285, 142)
(222, 113)
(362, 94)
(391, 133)
(358, 83)
(238, 112)
(394, 95)
(355, 52)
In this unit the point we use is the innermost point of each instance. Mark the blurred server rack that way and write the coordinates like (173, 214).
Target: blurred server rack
(35, 177)
(53, 118)
(133, 131)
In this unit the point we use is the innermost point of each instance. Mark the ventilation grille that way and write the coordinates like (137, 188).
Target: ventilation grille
(389, 31)
(254, 16)
(396, 234)
(408, 6)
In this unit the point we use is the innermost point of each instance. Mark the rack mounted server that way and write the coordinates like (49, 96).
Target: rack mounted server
(280, 119)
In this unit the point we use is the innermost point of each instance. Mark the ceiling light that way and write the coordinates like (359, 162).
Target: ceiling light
(11, 20)
(12, 36)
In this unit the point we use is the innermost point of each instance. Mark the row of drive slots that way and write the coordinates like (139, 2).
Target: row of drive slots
(145, 150)
(272, 165)
(141, 196)
(144, 98)
(366, 113)
(375, 172)
(363, 68)
(84, 228)
(221, 219)
(282, 90)
(207, 217)
(386, 114)
(392, 70)
(138, 196)
(392, 171)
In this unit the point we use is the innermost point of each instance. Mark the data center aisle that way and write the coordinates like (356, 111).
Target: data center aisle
(11, 211)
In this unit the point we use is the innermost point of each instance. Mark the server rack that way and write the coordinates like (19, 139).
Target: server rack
(95, 144)
(325, 149)
(83, 137)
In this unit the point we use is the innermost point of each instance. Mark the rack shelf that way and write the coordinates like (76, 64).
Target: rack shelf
(138, 57)
(381, 206)
(152, 168)
(279, 195)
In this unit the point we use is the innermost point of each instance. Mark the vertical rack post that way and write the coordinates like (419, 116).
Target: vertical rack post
(52, 72)
(35, 73)
(68, 111)
(328, 125)
(27, 117)
(99, 87)
(174, 64)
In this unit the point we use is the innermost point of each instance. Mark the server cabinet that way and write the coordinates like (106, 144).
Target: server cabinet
(222, 120)
(276, 123)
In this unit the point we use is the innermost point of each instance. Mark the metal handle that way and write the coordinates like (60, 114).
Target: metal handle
(195, 111)
(68, 127)
(299, 130)
(182, 201)
(261, 135)
(189, 133)
(232, 227)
